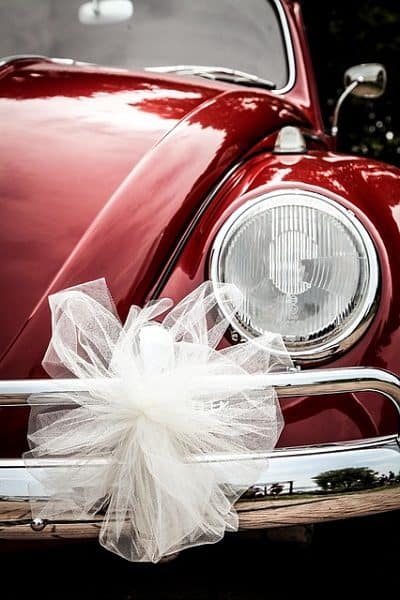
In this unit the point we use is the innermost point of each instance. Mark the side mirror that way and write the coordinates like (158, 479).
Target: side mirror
(364, 81)
(103, 12)
(370, 79)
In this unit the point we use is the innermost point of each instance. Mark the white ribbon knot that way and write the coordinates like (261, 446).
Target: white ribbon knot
(153, 419)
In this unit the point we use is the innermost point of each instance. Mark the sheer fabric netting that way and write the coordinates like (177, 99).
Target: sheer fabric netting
(163, 440)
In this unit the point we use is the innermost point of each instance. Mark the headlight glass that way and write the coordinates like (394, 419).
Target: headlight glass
(307, 269)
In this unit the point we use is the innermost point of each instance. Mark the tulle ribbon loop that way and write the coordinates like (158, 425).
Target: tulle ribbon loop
(142, 441)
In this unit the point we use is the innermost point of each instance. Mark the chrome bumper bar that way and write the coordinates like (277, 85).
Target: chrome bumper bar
(302, 485)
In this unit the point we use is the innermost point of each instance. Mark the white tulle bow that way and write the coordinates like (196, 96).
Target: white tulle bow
(140, 442)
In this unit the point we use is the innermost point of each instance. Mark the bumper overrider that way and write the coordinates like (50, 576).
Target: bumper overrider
(302, 485)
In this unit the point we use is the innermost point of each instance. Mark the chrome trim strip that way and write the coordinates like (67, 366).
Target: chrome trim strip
(33, 58)
(286, 452)
(212, 73)
(289, 49)
(287, 384)
(9, 60)
(345, 337)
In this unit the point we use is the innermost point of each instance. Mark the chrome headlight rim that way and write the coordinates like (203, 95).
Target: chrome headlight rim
(343, 338)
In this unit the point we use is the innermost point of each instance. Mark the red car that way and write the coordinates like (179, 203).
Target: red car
(161, 172)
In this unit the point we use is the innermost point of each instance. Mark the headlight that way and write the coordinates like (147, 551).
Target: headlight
(307, 269)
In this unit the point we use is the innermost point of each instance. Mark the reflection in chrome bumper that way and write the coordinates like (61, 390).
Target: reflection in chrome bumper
(360, 479)
(287, 494)
(301, 485)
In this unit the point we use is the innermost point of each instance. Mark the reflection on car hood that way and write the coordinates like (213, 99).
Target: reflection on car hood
(70, 137)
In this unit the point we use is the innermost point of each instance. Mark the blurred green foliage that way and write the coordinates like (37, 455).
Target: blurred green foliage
(342, 34)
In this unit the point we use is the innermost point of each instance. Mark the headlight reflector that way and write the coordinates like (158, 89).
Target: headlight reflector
(307, 269)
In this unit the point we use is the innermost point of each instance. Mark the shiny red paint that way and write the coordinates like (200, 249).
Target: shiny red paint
(372, 191)
(69, 137)
(138, 227)
(102, 174)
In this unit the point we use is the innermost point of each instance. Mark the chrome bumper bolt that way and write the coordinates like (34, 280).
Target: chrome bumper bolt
(38, 524)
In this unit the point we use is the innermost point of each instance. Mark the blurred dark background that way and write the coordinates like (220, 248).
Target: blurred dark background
(342, 34)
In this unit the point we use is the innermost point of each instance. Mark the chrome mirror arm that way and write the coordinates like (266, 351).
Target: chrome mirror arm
(339, 103)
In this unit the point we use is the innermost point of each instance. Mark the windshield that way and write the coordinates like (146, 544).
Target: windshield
(237, 34)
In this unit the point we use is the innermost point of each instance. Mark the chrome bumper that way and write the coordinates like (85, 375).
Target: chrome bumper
(290, 492)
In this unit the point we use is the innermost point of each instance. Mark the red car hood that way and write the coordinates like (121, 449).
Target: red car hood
(68, 140)
(100, 172)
